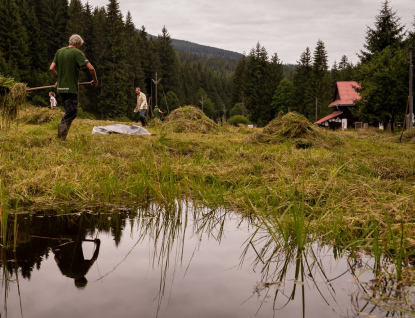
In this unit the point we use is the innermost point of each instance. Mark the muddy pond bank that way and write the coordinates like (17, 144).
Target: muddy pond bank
(186, 262)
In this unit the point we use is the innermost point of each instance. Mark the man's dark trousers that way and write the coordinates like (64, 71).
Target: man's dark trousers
(70, 103)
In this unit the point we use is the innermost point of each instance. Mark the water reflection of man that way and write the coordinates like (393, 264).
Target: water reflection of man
(71, 261)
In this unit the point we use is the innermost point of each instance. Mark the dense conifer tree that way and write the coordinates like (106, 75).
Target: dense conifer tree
(170, 102)
(239, 89)
(283, 97)
(258, 101)
(134, 59)
(387, 32)
(14, 41)
(114, 100)
(384, 82)
(205, 103)
(53, 17)
(321, 81)
(75, 23)
(169, 62)
(303, 97)
(275, 75)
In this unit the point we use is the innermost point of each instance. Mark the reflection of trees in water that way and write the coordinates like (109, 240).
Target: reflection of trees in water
(288, 271)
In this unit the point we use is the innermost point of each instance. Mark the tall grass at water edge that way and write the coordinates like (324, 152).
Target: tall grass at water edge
(345, 195)
(296, 225)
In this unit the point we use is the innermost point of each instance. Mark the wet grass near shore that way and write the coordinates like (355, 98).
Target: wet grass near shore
(358, 193)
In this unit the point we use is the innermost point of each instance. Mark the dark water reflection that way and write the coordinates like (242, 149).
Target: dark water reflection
(186, 263)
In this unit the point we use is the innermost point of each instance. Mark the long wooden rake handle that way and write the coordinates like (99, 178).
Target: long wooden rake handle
(51, 86)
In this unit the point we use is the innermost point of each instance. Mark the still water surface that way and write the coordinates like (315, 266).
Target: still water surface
(188, 263)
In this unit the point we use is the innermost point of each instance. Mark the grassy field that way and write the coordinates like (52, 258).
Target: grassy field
(357, 192)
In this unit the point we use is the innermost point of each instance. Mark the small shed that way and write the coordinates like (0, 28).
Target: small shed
(345, 96)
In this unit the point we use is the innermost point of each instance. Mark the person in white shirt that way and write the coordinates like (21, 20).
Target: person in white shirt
(53, 102)
(141, 106)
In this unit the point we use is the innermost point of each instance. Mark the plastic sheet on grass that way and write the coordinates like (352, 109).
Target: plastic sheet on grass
(120, 129)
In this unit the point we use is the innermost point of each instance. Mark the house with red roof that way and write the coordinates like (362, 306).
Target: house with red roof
(345, 97)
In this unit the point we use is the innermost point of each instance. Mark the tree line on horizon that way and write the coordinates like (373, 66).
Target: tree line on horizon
(257, 86)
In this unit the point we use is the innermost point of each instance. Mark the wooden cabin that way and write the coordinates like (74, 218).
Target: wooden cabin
(344, 98)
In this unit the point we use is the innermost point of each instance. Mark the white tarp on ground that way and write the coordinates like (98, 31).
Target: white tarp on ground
(120, 129)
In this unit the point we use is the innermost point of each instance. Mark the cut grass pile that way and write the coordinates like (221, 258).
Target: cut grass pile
(189, 119)
(296, 129)
(31, 115)
(408, 136)
(12, 98)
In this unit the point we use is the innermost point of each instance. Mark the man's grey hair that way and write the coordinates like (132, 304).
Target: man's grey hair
(75, 39)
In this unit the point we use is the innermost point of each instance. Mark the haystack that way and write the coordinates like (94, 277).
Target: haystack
(189, 119)
(408, 136)
(12, 97)
(39, 115)
(297, 129)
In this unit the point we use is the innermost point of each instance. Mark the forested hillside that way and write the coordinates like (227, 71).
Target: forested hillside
(257, 85)
(203, 49)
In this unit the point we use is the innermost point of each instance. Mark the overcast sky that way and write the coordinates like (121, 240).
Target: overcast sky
(285, 27)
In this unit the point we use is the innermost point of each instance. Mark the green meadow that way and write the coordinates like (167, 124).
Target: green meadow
(357, 192)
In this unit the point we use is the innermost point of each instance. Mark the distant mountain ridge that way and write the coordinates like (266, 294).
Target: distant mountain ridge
(191, 47)
(195, 48)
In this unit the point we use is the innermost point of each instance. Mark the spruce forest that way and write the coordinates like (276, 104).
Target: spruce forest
(257, 85)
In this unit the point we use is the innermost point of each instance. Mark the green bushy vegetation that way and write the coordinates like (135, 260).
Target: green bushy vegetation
(238, 119)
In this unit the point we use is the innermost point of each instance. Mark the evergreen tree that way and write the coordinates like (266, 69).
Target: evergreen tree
(257, 70)
(303, 97)
(387, 32)
(275, 75)
(53, 16)
(384, 86)
(134, 60)
(282, 99)
(170, 102)
(344, 62)
(75, 24)
(334, 75)
(170, 66)
(114, 100)
(321, 81)
(14, 40)
(205, 103)
(239, 87)
(39, 64)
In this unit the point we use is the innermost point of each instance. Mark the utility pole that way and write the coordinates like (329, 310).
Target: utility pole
(411, 98)
(156, 82)
(316, 110)
(202, 101)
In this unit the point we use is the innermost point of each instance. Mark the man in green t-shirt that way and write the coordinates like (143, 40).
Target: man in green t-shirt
(157, 112)
(65, 68)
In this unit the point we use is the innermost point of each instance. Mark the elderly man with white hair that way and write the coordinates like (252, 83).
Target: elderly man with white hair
(65, 68)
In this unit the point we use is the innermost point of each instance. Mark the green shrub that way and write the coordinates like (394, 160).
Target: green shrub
(238, 119)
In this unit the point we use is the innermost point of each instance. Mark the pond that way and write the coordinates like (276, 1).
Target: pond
(191, 262)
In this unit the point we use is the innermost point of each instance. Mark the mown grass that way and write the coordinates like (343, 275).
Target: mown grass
(357, 193)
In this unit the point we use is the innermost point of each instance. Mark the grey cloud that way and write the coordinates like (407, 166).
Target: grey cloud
(281, 26)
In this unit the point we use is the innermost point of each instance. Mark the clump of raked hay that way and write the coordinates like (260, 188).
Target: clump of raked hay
(189, 119)
(408, 136)
(12, 97)
(296, 129)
